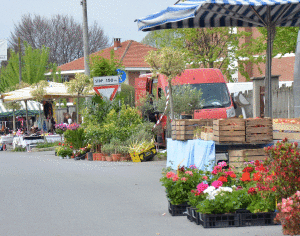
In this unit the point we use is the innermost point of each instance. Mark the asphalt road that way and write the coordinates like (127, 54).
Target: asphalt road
(41, 194)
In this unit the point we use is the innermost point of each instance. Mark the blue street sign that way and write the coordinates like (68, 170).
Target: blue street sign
(122, 75)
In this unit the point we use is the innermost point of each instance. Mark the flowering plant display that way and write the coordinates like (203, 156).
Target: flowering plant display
(280, 173)
(227, 190)
(73, 126)
(60, 128)
(289, 214)
(179, 184)
(64, 150)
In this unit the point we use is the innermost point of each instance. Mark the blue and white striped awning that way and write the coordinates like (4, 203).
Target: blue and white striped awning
(32, 106)
(224, 13)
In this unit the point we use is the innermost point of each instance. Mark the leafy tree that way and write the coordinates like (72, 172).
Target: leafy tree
(186, 99)
(285, 39)
(127, 95)
(34, 65)
(168, 62)
(101, 66)
(161, 38)
(61, 34)
(38, 92)
(81, 85)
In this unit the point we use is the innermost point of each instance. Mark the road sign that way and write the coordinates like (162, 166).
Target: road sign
(122, 75)
(106, 80)
(108, 91)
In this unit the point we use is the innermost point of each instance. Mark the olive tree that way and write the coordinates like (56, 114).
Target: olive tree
(170, 63)
(81, 85)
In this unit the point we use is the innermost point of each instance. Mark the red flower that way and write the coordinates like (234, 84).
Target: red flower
(256, 176)
(223, 179)
(252, 191)
(233, 175)
(59, 143)
(63, 144)
(274, 189)
(71, 146)
(245, 176)
(248, 169)
(256, 163)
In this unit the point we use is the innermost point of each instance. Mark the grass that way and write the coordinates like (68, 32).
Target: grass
(46, 145)
(19, 149)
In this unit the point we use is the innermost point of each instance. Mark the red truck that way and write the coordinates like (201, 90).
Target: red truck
(217, 100)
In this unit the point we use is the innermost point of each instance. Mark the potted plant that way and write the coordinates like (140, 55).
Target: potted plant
(108, 149)
(289, 214)
(64, 151)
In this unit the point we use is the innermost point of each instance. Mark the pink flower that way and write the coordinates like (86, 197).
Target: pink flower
(189, 172)
(175, 178)
(217, 184)
(222, 164)
(184, 179)
(170, 175)
(205, 177)
(201, 187)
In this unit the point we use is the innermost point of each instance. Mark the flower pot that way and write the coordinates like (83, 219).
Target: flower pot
(123, 158)
(89, 156)
(116, 157)
(96, 156)
(109, 158)
(101, 157)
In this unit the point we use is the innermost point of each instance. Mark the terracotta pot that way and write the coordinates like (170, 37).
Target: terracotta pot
(101, 156)
(123, 158)
(108, 158)
(94, 156)
(116, 157)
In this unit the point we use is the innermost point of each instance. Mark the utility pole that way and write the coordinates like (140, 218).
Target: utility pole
(85, 39)
(296, 84)
(20, 62)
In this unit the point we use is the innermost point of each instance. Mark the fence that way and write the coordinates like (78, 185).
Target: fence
(283, 103)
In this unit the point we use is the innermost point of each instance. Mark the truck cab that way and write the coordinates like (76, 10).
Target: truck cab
(217, 100)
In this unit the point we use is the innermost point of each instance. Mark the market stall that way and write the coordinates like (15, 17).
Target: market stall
(198, 142)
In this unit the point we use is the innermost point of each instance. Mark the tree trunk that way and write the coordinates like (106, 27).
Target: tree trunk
(171, 99)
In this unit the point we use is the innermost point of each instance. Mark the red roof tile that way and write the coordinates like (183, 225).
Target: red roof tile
(134, 57)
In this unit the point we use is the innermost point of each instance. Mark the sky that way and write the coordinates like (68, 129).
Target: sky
(115, 17)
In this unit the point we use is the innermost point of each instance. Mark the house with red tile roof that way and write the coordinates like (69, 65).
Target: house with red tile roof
(130, 53)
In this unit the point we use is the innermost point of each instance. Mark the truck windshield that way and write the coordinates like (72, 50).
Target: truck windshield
(213, 94)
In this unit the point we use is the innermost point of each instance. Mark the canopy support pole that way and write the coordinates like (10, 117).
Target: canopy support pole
(268, 71)
(27, 117)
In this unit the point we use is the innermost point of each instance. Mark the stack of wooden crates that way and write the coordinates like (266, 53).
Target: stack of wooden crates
(230, 131)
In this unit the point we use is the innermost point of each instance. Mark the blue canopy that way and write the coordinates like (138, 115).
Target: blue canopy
(224, 13)
(229, 13)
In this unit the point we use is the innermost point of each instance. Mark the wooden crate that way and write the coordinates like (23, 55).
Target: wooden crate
(237, 157)
(207, 136)
(184, 129)
(289, 131)
(229, 130)
(259, 130)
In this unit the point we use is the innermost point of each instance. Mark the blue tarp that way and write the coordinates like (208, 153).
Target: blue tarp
(191, 152)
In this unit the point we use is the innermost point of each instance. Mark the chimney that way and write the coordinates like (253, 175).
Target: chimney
(117, 43)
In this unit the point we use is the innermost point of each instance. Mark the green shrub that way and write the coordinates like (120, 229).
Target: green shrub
(75, 138)
(19, 149)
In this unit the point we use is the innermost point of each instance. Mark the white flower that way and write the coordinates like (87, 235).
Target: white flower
(209, 189)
